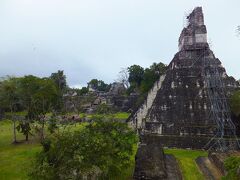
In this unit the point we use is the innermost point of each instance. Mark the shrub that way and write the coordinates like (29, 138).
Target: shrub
(232, 164)
(102, 149)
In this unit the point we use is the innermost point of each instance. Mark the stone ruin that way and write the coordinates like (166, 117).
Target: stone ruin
(181, 107)
(188, 106)
(114, 98)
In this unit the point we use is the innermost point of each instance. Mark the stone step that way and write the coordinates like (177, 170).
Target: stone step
(209, 170)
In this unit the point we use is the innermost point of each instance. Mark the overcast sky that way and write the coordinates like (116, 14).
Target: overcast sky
(96, 38)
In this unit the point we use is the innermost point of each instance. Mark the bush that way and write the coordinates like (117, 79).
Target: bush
(102, 149)
(104, 109)
(232, 164)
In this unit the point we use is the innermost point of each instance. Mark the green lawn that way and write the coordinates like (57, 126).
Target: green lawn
(186, 160)
(14, 159)
(119, 115)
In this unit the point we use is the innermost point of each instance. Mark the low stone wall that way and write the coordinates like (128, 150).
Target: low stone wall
(191, 142)
(218, 160)
(153, 164)
(150, 163)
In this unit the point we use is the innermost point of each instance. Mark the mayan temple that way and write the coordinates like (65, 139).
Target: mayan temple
(188, 106)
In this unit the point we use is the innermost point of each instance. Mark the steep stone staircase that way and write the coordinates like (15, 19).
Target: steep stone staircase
(137, 119)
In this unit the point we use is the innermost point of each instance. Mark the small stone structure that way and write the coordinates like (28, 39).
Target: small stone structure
(115, 98)
(150, 162)
(153, 164)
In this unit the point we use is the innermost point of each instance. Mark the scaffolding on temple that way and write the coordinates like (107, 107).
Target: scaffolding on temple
(225, 138)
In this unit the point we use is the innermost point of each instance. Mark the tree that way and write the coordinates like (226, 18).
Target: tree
(143, 79)
(10, 99)
(83, 91)
(136, 74)
(38, 96)
(235, 103)
(28, 86)
(123, 77)
(158, 69)
(103, 149)
(149, 78)
(60, 80)
(43, 100)
(98, 85)
(151, 75)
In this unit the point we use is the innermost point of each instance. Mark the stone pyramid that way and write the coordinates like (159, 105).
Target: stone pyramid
(188, 106)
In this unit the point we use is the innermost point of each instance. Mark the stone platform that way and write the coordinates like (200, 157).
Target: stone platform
(153, 164)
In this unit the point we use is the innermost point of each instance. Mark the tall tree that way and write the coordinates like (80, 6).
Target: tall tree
(123, 76)
(60, 80)
(10, 99)
(136, 74)
(43, 101)
(98, 85)
(29, 85)
(151, 75)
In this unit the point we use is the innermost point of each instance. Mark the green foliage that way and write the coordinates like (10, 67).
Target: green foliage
(24, 128)
(52, 124)
(149, 79)
(9, 94)
(151, 75)
(98, 85)
(136, 74)
(232, 164)
(36, 96)
(45, 97)
(10, 99)
(83, 91)
(103, 149)
(142, 80)
(235, 103)
(60, 80)
(104, 109)
(29, 86)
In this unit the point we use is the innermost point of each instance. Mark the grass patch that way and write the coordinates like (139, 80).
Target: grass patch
(119, 115)
(15, 158)
(186, 160)
(232, 164)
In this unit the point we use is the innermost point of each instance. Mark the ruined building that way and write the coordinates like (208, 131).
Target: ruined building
(188, 106)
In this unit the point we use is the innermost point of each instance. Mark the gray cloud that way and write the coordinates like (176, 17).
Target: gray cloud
(95, 39)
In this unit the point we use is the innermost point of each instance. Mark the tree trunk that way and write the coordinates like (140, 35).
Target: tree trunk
(14, 126)
(27, 137)
(14, 132)
(42, 133)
